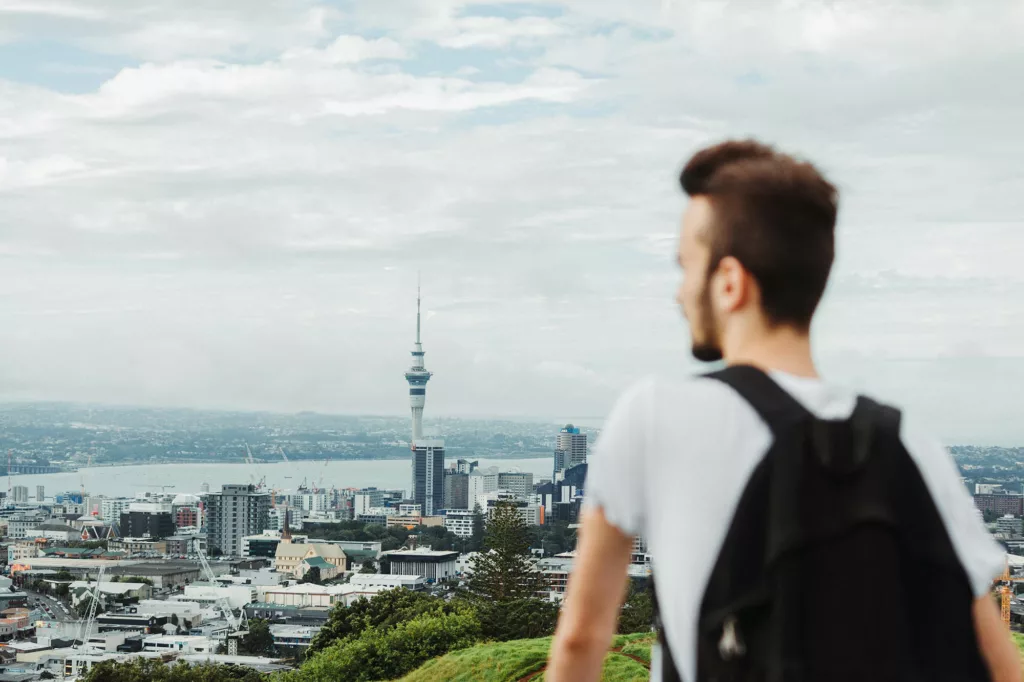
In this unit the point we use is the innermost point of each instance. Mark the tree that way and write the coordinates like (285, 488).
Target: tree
(383, 611)
(174, 619)
(154, 670)
(82, 610)
(386, 654)
(258, 641)
(504, 571)
(313, 576)
(138, 579)
(367, 567)
(989, 516)
(62, 590)
(505, 583)
(476, 540)
(637, 613)
(63, 575)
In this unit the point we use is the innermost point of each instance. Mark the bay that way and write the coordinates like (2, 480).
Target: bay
(126, 481)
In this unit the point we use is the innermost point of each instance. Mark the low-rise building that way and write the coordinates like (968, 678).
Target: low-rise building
(289, 557)
(432, 565)
(378, 581)
(237, 596)
(109, 591)
(182, 644)
(317, 596)
(293, 635)
(328, 571)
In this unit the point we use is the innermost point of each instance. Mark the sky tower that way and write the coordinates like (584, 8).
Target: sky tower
(417, 376)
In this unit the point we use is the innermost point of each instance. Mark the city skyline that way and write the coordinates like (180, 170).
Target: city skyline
(226, 207)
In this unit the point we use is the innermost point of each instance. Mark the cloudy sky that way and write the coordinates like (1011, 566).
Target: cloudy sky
(225, 204)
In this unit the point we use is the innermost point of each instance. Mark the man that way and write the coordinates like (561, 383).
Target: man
(673, 460)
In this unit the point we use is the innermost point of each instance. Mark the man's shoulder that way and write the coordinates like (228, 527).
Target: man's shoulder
(681, 397)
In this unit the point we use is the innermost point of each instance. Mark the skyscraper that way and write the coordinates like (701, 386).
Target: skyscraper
(233, 513)
(428, 475)
(427, 455)
(417, 376)
(570, 449)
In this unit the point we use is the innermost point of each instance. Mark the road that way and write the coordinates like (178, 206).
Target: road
(58, 611)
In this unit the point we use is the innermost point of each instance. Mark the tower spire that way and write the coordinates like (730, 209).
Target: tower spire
(417, 309)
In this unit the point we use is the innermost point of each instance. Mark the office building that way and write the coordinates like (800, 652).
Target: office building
(570, 449)
(147, 524)
(428, 475)
(459, 522)
(463, 466)
(233, 513)
(1000, 503)
(481, 481)
(517, 482)
(40, 493)
(456, 489)
(19, 494)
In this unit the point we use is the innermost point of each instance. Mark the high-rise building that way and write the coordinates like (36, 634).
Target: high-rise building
(517, 482)
(19, 494)
(463, 466)
(151, 524)
(40, 493)
(456, 490)
(111, 509)
(570, 449)
(417, 376)
(428, 475)
(233, 513)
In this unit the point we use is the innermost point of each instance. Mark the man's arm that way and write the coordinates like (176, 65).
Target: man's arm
(596, 590)
(1001, 656)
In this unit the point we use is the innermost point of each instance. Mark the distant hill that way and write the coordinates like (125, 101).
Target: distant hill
(525, 660)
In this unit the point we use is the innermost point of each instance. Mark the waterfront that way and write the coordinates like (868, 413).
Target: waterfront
(125, 481)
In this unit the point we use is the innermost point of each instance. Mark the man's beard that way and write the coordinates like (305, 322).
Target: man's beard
(708, 348)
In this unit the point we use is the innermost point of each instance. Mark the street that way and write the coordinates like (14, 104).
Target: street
(57, 610)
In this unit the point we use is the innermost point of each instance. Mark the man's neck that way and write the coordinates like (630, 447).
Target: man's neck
(782, 349)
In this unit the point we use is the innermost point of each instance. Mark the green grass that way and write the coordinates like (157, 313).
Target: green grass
(512, 661)
(1018, 639)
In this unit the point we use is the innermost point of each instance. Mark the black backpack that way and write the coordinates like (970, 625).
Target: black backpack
(837, 565)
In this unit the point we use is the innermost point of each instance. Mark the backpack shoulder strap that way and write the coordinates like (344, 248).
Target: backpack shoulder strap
(774, 405)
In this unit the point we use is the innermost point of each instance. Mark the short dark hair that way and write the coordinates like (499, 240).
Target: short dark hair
(776, 215)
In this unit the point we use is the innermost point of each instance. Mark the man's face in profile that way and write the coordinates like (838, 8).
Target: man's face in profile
(694, 293)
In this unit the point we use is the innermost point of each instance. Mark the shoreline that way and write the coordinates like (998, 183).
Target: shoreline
(261, 462)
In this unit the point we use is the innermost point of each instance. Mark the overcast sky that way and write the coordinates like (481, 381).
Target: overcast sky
(225, 204)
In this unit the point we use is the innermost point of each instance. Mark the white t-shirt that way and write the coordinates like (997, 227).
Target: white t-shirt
(674, 458)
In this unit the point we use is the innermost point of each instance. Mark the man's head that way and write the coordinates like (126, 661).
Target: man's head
(757, 243)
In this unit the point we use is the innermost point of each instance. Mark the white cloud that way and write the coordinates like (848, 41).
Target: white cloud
(236, 217)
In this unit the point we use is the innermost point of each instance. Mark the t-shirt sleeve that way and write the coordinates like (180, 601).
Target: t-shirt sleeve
(615, 475)
(980, 555)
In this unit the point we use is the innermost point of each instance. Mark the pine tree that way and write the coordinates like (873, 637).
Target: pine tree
(504, 571)
(476, 541)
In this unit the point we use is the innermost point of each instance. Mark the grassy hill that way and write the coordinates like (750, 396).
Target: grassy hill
(526, 659)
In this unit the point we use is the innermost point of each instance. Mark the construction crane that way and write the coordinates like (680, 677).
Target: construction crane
(225, 606)
(85, 627)
(1004, 585)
